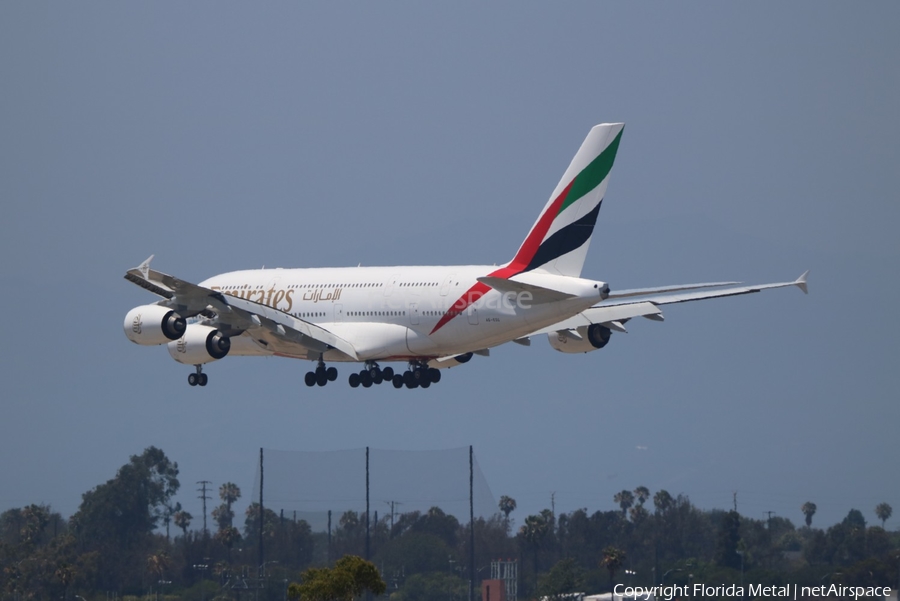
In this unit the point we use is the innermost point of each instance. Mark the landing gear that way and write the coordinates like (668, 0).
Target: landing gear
(198, 378)
(419, 375)
(371, 374)
(321, 376)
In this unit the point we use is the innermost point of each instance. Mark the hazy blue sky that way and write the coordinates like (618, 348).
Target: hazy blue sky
(761, 140)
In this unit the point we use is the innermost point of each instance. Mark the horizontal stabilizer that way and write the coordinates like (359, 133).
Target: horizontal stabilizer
(539, 294)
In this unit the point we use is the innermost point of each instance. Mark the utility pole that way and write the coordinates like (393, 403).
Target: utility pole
(392, 503)
(734, 496)
(262, 558)
(368, 593)
(204, 497)
(367, 503)
(471, 524)
(769, 520)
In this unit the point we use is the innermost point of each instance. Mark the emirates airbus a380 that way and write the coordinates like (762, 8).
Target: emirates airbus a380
(425, 317)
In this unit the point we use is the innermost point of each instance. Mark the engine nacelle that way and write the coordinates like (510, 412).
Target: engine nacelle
(153, 325)
(592, 337)
(200, 344)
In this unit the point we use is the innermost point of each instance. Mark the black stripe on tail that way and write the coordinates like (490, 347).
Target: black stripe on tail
(565, 240)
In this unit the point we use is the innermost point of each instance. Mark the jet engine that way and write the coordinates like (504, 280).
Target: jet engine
(153, 325)
(586, 339)
(200, 344)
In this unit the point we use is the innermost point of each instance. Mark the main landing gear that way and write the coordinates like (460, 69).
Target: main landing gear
(321, 376)
(418, 375)
(198, 378)
(371, 374)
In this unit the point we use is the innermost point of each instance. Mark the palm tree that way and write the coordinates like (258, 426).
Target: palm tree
(641, 493)
(613, 559)
(624, 499)
(883, 511)
(809, 510)
(229, 493)
(662, 501)
(507, 506)
(183, 520)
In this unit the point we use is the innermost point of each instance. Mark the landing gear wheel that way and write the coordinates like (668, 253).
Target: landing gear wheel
(378, 378)
(425, 383)
(374, 372)
(388, 373)
(408, 379)
(397, 381)
(419, 375)
(331, 374)
(434, 375)
(321, 378)
(193, 379)
(365, 379)
(354, 380)
(203, 379)
(310, 378)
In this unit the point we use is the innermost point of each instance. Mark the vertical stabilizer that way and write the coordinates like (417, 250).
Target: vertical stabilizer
(558, 241)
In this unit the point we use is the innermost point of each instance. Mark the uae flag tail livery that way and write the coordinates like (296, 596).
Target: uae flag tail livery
(558, 241)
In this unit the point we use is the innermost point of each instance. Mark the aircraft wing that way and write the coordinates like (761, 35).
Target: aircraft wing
(274, 329)
(613, 312)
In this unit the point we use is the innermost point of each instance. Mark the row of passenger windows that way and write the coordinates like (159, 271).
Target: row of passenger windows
(311, 286)
(378, 314)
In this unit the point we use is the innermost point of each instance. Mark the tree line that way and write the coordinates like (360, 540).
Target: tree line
(121, 542)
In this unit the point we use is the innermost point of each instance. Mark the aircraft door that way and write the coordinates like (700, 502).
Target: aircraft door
(447, 283)
(391, 284)
(338, 312)
(414, 314)
(473, 315)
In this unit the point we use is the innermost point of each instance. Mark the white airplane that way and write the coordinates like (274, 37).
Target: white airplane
(427, 317)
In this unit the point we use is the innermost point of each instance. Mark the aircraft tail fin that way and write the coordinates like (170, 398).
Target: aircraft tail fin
(558, 241)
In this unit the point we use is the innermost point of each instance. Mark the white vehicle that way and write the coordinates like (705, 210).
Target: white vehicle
(426, 317)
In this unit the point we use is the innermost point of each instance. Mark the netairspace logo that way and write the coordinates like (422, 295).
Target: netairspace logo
(790, 591)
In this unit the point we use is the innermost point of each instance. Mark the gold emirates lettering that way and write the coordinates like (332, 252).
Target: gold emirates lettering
(274, 298)
(319, 295)
(271, 298)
